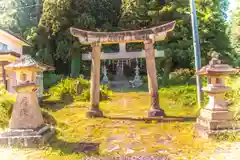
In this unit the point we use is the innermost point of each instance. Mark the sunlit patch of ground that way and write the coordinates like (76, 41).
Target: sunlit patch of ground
(79, 137)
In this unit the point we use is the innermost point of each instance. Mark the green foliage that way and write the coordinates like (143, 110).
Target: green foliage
(180, 76)
(105, 92)
(53, 44)
(14, 15)
(78, 88)
(228, 136)
(67, 86)
(235, 36)
(6, 102)
(234, 95)
(49, 79)
(182, 95)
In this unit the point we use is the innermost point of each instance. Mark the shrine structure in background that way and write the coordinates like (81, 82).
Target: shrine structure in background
(147, 36)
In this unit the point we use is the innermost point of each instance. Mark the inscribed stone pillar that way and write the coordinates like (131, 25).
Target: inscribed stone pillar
(95, 82)
(26, 112)
(152, 80)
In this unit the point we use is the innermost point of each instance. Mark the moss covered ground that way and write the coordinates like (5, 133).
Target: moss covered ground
(122, 133)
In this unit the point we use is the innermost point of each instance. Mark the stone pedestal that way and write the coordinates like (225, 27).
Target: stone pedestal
(211, 122)
(216, 120)
(26, 126)
(27, 137)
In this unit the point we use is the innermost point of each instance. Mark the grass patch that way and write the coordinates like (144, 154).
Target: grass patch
(76, 134)
(121, 137)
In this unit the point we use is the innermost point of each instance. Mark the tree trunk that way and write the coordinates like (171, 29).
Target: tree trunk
(167, 70)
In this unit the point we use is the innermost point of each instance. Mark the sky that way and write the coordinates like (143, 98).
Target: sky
(232, 4)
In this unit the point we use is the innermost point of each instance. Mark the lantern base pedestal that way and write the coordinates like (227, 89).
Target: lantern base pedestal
(206, 133)
(27, 137)
(212, 122)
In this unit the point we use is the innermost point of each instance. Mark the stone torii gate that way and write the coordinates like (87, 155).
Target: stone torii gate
(148, 36)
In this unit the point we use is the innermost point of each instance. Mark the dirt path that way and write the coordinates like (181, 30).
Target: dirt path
(227, 151)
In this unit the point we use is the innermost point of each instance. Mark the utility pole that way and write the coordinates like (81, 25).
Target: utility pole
(197, 52)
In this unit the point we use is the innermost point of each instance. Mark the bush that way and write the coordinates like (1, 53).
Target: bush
(182, 95)
(77, 88)
(6, 102)
(180, 76)
(234, 95)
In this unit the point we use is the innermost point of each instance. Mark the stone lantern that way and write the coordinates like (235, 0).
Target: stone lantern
(215, 117)
(26, 126)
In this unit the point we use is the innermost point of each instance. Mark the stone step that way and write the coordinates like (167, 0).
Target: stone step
(216, 124)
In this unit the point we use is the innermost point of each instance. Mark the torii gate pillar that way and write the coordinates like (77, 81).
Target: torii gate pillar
(95, 82)
(155, 110)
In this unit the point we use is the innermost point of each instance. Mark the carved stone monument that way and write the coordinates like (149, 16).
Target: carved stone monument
(26, 126)
(215, 117)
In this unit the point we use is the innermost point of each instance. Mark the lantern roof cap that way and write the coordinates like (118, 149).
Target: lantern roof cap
(26, 61)
(215, 67)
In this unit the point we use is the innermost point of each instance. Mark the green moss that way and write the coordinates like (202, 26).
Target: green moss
(177, 139)
(73, 127)
(6, 102)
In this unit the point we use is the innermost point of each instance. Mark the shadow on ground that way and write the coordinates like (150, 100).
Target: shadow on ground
(88, 148)
(165, 119)
(52, 105)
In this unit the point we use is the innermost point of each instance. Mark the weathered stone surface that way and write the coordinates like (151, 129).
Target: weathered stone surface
(158, 33)
(122, 55)
(26, 112)
(216, 115)
(207, 133)
(26, 138)
(95, 82)
(152, 80)
(215, 124)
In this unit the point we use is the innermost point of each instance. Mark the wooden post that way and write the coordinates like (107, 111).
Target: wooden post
(152, 80)
(4, 76)
(95, 82)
